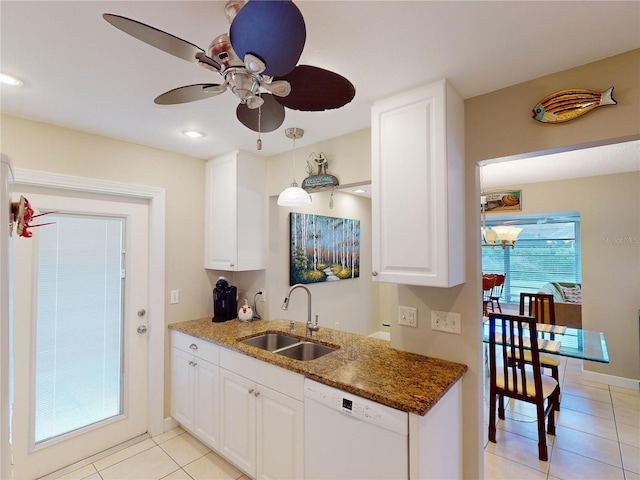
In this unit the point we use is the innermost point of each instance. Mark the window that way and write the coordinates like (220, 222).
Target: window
(79, 323)
(547, 250)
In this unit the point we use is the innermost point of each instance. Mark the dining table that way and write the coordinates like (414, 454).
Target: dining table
(564, 341)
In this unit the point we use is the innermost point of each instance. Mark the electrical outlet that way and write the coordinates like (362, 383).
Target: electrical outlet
(408, 316)
(445, 321)
(263, 296)
(174, 297)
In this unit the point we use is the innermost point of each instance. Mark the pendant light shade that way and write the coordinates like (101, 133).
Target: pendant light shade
(294, 196)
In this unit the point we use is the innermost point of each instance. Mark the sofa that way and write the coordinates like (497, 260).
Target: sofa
(567, 300)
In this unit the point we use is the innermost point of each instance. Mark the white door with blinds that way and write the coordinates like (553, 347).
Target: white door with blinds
(80, 291)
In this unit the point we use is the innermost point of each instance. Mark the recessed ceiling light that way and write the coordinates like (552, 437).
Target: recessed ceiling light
(10, 80)
(193, 134)
(359, 190)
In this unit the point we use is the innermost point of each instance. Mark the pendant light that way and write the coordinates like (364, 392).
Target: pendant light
(294, 196)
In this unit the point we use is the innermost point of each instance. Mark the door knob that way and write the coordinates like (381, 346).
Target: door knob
(142, 329)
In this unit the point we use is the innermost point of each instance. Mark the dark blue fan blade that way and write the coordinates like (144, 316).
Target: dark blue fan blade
(273, 30)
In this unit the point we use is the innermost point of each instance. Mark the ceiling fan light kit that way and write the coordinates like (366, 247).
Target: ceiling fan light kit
(257, 61)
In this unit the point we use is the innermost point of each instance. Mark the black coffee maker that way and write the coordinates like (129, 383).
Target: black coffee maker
(225, 301)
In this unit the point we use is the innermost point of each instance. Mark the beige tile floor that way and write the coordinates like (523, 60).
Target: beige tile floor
(597, 437)
(174, 455)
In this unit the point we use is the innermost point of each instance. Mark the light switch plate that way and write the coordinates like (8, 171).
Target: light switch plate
(174, 297)
(445, 321)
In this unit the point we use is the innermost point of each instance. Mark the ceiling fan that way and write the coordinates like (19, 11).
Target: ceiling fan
(257, 61)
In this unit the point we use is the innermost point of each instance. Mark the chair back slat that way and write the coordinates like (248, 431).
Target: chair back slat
(538, 305)
(498, 285)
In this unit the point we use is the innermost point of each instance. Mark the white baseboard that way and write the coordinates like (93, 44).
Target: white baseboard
(621, 382)
(169, 424)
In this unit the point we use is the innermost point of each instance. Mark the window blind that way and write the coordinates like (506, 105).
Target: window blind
(546, 251)
(78, 378)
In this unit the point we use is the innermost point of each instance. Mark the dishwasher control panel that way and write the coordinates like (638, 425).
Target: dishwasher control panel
(358, 407)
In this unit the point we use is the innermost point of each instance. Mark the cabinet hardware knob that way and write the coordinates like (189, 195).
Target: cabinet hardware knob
(231, 265)
(191, 363)
(142, 329)
(142, 312)
(195, 363)
(193, 346)
(375, 274)
(251, 391)
(256, 394)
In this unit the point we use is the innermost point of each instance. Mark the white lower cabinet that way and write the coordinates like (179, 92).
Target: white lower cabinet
(261, 429)
(195, 387)
(280, 435)
(238, 418)
(250, 412)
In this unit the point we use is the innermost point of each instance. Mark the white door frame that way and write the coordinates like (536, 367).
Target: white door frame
(156, 321)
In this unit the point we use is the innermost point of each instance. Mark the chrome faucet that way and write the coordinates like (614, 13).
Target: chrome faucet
(285, 306)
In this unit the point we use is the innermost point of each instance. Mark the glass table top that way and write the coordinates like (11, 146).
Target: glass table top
(574, 342)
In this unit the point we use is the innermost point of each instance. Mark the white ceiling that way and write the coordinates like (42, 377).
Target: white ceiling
(81, 72)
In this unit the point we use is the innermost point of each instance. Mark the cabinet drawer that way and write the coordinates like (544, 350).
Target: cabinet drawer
(196, 346)
(272, 376)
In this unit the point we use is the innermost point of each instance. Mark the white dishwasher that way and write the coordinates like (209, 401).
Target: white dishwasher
(349, 437)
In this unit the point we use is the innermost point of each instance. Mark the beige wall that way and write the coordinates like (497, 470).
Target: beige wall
(351, 303)
(511, 131)
(609, 208)
(38, 146)
(499, 124)
(349, 159)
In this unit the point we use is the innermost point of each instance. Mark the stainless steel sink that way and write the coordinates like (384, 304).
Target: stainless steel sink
(271, 341)
(306, 351)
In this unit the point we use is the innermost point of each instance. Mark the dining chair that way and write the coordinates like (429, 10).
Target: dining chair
(511, 376)
(541, 307)
(496, 292)
(488, 281)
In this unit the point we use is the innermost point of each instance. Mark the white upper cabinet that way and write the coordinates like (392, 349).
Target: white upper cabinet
(235, 212)
(417, 175)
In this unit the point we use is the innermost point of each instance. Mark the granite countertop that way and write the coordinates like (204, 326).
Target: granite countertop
(363, 366)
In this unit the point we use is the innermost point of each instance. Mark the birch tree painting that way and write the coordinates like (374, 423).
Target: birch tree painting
(323, 249)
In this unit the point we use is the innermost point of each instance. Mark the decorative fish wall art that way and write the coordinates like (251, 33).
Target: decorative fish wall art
(566, 105)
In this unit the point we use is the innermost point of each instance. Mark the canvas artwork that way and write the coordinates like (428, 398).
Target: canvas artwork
(503, 201)
(323, 249)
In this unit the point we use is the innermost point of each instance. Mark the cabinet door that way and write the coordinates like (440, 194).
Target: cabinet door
(207, 402)
(238, 421)
(182, 388)
(221, 235)
(280, 444)
(235, 198)
(417, 188)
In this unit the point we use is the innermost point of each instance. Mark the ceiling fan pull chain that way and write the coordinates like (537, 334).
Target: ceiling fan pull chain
(259, 142)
